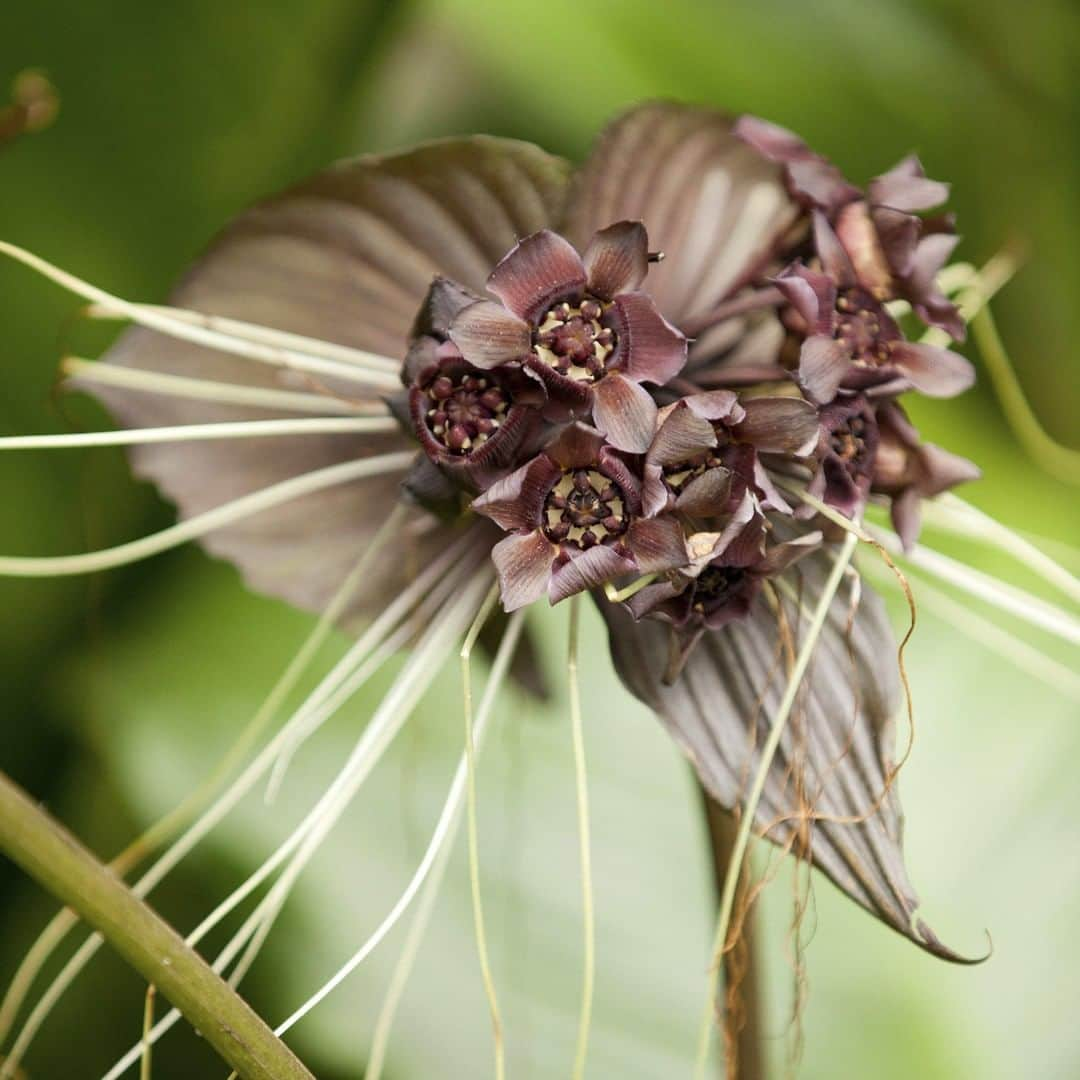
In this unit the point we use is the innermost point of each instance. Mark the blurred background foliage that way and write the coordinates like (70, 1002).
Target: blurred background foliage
(118, 693)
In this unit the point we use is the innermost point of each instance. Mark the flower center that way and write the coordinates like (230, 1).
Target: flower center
(584, 508)
(573, 341)
(715, 586)
(859, 325)
(848, 442)
(465, 410)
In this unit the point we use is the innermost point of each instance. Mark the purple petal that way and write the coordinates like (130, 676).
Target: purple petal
(655, 497)
(617, 259)
(586, 570)
(716, 405)
(856, 232)
(929, 303)
(516, 501)
(744, 546)
(821, 184)
(768, 494)
(488, 335)
(682, 435)
(834, 258)
(430, 487)
(823, 363)
(540, 270)
(905, 511)
(813, 296)
(930, 255)
(523, 563)
(933, 371)
(706, 495)
(775, 142)
(625, 412)
(779, 425)
(576, 446)
(650, 348)
(647, 600)
(898, 234)
(943, 470)
(780, 556)
(444, 300)
(906, 187)
(657, 544)
(423, 353)
(810, 176)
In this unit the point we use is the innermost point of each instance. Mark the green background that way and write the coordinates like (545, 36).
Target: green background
(118, 693)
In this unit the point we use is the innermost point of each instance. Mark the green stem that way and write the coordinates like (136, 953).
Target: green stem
(1058, 460)
(55, 859)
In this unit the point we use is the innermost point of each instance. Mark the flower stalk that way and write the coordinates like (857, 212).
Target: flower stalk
(768, 752)
(56, 860)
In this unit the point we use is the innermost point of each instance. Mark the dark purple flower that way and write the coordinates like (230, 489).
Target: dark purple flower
(704, 456)
(346, 258)
(846, 453)
(574, 515)
(721, 581)
(909, 470)
(851, 340)
(894, 252)
(581, 326)
(470, 421)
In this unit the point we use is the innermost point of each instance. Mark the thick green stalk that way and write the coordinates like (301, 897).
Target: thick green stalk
(56, 860)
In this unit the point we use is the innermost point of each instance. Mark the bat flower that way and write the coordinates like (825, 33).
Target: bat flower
(721, 581)
(895, 252)
(269, 407)
(908, 470)
(581, 324)
(851, 342)
(469, 421)
(846, 454)
(704, 457)
(574, 515)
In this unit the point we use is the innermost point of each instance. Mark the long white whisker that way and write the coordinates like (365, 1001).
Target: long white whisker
(210, 818)
(1017, 651)
(425, 908)
(156, 319)
(315, 717)
(955, 515)
(264, 334)
(577, 733)
(419, 671)
(473, 830)
(282, 688)
(184, 386)
(443, 836)
(1007, 597)
(250, 429)
(194, 527)
(424, 612)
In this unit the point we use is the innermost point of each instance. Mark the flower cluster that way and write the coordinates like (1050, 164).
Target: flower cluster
(657, 377)
(564, 407)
